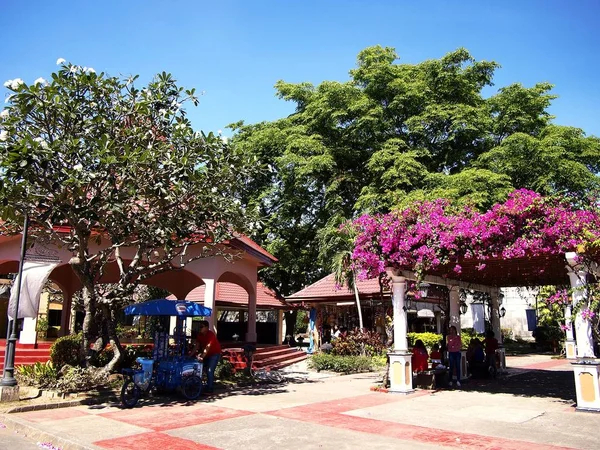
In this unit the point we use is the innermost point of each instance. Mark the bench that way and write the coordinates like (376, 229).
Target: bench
(431, 379)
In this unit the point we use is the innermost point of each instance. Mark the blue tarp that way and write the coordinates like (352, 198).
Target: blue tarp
(164, 307)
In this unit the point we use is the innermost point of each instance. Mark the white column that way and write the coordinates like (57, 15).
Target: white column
(280, 327)
(583, 328)
(65, 315)
(210, 292)
(497, 327)
(401, 380)
(455, 308)
(28, 335)
(570, 346)
(251, 334)
(400, 319)
(496, 316)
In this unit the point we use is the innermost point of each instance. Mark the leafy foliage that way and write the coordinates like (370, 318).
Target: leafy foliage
(41, 375)
(393, 134)
(431, 234)
(80, 379)
(92, 159)
(341, 363)
(429, 339)
(66, 350)
(355, 343)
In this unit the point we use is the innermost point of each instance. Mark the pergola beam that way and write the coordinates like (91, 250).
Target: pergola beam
(448, 282)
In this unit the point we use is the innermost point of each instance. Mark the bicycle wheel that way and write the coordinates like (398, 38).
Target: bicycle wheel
(191, 387)
(274, 376)
(130, 394)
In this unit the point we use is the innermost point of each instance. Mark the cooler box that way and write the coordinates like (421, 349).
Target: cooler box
(147, 365)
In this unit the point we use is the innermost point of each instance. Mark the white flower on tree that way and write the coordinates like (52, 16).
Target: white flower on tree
(78, 167)
(3, 135)
(60, 61)
(40, 80)
(14, 85)
(4, 114)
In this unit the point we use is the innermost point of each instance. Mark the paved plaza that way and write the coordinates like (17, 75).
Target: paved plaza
(531, 407)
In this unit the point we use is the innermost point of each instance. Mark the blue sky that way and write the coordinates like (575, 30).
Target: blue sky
(235, 51)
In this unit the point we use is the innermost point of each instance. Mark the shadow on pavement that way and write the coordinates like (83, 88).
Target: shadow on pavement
(558, 384)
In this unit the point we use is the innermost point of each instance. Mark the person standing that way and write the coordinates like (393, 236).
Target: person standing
(208, 349)
(454, 346)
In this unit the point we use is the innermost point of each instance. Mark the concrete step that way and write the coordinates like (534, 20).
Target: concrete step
(27, 359)
(289, 362)
(266, 354)
(281, 360)
(28, 352)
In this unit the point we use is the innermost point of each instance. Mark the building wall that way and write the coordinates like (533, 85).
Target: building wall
(516, 302)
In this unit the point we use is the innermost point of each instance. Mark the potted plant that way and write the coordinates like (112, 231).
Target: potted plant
(42, 326)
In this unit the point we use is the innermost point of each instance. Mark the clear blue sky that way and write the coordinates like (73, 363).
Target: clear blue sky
(235, 51)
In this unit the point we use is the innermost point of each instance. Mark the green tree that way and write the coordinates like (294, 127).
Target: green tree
(394, 133)
(105, 159)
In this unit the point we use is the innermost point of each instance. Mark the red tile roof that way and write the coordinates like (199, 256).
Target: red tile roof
(326, 290)
(233, 295)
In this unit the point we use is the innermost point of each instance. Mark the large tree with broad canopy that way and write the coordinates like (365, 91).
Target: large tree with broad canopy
(101, 157)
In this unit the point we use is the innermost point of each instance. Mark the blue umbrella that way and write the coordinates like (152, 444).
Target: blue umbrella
(164, 307)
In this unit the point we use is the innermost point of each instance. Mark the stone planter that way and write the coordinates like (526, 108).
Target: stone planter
(587, 384)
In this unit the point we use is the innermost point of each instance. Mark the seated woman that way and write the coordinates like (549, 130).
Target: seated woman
(419, 357)
(476, 358)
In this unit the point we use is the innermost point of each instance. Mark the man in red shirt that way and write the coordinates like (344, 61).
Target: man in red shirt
(210, 352)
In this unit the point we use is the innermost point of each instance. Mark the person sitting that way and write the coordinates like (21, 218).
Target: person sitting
(491, 345)
(419, 357)
(476, 358)
(435, 356)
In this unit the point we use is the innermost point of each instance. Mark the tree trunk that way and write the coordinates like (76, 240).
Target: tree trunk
(89, 306)
(290, 326)
(357, 296)
(115, 344)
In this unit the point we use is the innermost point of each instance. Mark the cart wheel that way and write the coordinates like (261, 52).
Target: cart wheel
(130, 394)
(191, 387)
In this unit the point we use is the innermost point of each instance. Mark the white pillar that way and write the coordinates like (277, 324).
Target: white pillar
(401, 380)
(400, 319)
(251, 334)
(28, 335)
(496, 326)
(455, 308)
(280, 327)
(210, 292)
(496, 316)
(65, 315)
(583, 328)
(570, 347)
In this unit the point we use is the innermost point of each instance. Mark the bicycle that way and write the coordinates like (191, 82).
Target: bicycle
(260, 375)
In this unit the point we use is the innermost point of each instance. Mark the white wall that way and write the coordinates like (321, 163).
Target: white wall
(516, 301)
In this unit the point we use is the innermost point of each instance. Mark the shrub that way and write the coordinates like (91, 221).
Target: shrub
(41, 375)
(66, 350)
(342, 364)
(356, 343)
(224, 370)
(428, 339)
(78, 379)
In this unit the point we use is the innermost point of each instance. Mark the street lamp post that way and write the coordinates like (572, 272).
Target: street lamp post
(8, 374)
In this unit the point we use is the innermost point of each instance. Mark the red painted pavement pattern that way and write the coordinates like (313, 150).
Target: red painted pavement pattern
(152, 440)
(52, 414)
(169, 418)
(547, 364)
(325, 414)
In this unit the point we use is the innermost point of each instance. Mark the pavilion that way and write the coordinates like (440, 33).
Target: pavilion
(204, 272)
